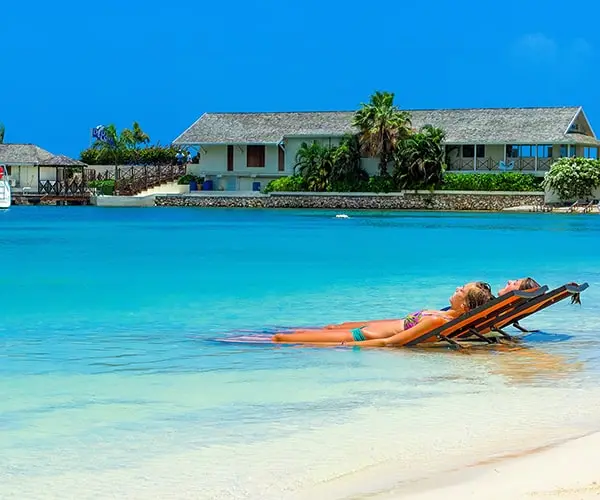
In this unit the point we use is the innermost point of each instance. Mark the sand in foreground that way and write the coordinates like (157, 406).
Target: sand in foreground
(568, 471)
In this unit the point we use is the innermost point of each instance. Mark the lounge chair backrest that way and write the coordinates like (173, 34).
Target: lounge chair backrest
(534, 305)
(473, 318)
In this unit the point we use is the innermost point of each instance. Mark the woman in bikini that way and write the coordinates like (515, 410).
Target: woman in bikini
(398, 332)
(518, 284)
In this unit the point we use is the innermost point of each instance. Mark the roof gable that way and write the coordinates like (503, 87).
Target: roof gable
(462, 126)
(23, 154)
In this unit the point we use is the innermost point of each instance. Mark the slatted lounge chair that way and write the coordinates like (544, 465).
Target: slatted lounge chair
(469, 322)
(513, 316)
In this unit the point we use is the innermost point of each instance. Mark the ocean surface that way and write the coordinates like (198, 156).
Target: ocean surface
(114, 384)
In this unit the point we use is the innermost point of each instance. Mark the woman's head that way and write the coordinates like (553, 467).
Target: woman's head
(470, 296)
(519, 284)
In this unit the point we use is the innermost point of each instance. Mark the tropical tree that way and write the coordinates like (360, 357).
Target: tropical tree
(381, 125)
(347, 172)
(314, 163)
(139, 136)
(2, 129)
(116, 145)
(420, 159)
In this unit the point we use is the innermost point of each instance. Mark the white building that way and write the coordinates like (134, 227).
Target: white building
(242, 151)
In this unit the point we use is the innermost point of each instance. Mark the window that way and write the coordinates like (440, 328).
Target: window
(590, 152)
(544, 151)
(520, 151)
(8, 170)
(469, 150)
(567, 150)
(255, 156)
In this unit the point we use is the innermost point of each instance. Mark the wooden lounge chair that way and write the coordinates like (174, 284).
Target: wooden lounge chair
(513, 316)
(469, 322)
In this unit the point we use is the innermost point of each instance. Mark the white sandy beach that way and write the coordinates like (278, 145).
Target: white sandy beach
(570, 470)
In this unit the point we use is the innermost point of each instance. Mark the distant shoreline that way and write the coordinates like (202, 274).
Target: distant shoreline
(407, 200)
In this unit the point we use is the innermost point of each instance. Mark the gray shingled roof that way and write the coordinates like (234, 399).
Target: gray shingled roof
(61, 161)
(30, 154)
(23, 154)
(462, 126)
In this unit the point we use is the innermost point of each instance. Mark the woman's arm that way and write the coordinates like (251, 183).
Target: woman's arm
(403, 337)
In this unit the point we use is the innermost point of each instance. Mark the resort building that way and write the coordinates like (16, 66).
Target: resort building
(244, 151)
(32, 169)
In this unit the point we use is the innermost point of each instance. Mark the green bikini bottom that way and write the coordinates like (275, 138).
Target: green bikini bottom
(358, 335)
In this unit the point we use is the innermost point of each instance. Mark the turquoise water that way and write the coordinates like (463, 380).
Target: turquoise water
(112, 383)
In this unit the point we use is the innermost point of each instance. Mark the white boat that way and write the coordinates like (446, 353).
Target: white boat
(5, 193)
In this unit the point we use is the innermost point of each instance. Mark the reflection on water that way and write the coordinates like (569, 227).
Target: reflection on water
(529, 365)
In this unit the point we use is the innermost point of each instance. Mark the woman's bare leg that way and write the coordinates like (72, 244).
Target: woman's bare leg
(314, 336)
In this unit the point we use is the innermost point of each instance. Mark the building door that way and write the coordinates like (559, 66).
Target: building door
(230, 158)
(281, 160)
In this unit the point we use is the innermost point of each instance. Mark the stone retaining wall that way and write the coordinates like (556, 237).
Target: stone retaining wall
(440, 200)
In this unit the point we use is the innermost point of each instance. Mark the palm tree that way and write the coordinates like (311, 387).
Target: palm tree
(2, 129)
(315, 164)
(139, 136)
(420, 159)
(115, 148)
(381, 127)
(347, 173)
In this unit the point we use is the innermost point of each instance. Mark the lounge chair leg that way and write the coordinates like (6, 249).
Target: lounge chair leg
(524, 330)
(451, 341)
(503, 333)
(480, 336)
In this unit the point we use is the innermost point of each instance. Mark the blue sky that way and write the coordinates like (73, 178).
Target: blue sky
(69, 65)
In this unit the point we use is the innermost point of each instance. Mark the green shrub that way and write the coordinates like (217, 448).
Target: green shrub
(104, 187)
(150, 155)
(292, 183)
(187, 178)
(380, 184)
(504, 181)
(573, 178)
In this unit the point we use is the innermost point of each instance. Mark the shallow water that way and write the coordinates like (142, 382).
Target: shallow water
(112, 383)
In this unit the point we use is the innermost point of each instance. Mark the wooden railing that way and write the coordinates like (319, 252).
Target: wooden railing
(491, 164)
(133, 180)
(74, 187)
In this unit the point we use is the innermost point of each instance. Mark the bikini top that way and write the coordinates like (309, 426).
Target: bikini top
(413, 319)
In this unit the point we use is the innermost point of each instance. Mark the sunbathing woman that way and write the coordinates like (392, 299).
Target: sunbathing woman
(355, 324)
(395, 332)
(520, 284)
(511, 285)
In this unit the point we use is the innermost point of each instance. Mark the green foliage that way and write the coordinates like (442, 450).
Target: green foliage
(151, 155)
(381, 127)
(504, 181)
(573, 178)
(2, 130)
(347, 172)
(106, 187)
(420, 159)
(187, 178)
(130, 147)
(314, 163)
(293, 183)
(380, 184)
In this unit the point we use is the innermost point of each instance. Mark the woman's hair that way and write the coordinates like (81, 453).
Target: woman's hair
(486, 287)
(477, 296)
(528, 284)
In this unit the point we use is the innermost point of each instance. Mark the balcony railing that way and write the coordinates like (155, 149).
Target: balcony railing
(492, 164)
(63, 188)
